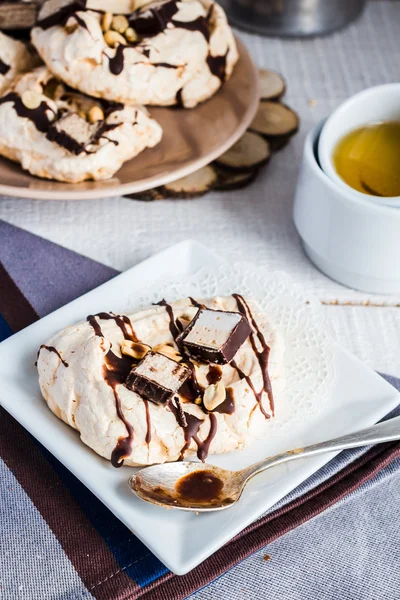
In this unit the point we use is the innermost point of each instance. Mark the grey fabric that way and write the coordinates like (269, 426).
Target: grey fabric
(28, 547)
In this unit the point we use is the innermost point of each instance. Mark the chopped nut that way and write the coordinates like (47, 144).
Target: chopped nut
(95, 114)
(113, 38)
(131, 35)
(31, 99)
(168, 351)
(214, 395)
(135, 349)
(71, 25)
(119, 23)
(106, 21)
(198, 400)
(82, 114)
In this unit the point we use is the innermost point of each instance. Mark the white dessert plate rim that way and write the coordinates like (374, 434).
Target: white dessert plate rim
(180, 540)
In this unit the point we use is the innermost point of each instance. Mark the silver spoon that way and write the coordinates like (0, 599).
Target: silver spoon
(202, 487)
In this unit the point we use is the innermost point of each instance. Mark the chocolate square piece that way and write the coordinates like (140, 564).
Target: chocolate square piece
(214, 336)
(157, 378)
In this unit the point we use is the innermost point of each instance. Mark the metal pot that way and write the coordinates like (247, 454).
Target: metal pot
(292, 17)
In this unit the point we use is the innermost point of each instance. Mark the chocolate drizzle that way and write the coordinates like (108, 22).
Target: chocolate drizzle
(4, 68)
(200, 24)
(204, 446)
(122, 321)
(64, 140)
(61, 16)
(178, 98)
(165, 65)
(190, 432)
(38, 116)
(227, 407)
(116, 63)
(81, 22)
(52, 349)
(262, 355)
(173, 325)
(153, 21)
(214, 374)
(191, 389)
(148, 421)
(217, 65)
(195, 303)
(115, 371)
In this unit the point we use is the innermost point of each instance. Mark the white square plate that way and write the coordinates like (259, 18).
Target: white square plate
(180, 540)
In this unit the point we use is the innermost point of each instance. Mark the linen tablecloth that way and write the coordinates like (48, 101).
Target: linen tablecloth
(58, 541)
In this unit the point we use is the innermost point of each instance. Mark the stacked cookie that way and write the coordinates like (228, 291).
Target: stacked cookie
(81, 116)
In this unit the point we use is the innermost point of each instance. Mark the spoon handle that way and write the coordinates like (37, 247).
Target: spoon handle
(382, 432)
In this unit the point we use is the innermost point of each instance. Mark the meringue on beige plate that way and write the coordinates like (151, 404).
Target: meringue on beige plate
(163, 53)
(58, 133)
(130, 386)
(15, 58)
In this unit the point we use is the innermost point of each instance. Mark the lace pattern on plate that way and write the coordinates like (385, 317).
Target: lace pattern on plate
(309, 359)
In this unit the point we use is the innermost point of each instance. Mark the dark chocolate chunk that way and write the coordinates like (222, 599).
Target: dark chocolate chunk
(214, 336)
(157, 378)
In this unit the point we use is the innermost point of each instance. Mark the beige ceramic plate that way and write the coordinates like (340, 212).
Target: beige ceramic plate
(192, 138)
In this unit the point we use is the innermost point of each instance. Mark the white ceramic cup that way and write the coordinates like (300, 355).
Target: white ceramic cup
(355, 242)
(376, 104)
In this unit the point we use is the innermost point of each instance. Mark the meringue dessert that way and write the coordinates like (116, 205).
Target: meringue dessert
(15, 58)
(166, 383)
(57, 133)
(154, 53)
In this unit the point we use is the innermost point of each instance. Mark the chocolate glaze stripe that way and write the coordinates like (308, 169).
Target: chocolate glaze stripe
(53, 349)
(38, 116)
(61, 16)
(262, 356)
(122, 321)
(200, 24)
(95, 325)
(115, 372)
(116, 62)
(4, 68)
(217, 65)
(195, 303)
(203, 447)
(173, 326)
(148, 421)
(257, 395)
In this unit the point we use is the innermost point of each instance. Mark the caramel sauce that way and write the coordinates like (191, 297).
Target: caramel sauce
(201, 486)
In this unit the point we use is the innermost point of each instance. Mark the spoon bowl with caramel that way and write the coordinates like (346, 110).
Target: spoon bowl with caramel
(203, 487)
